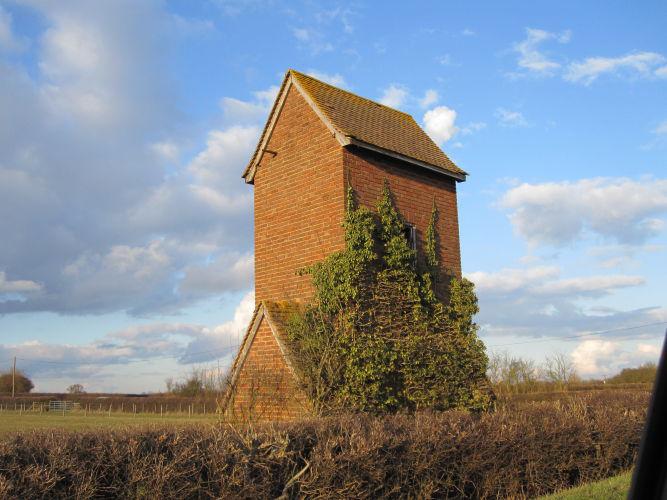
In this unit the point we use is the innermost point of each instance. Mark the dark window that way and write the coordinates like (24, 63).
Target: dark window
(410, 232)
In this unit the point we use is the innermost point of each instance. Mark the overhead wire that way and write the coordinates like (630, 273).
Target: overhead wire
(582, 335)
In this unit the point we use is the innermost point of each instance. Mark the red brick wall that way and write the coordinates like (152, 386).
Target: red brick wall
(265, 388)
(414, 190)
(299, 202)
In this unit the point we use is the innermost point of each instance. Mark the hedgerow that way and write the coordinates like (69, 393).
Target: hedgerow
(380, 336)
(514, 452)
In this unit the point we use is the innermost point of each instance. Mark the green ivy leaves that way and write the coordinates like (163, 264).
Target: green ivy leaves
(378, 338)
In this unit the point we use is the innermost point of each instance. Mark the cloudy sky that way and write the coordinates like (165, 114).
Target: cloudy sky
(126, 230)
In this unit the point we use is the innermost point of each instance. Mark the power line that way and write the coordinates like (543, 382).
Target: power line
(582, 335)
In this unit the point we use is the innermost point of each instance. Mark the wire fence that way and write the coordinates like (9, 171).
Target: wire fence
(163, 408)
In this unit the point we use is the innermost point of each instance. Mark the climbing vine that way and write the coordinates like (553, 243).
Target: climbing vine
(378, 337)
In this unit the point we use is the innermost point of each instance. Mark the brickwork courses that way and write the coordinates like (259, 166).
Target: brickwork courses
(300, 182)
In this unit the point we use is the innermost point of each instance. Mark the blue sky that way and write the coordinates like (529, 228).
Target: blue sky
(125, 126)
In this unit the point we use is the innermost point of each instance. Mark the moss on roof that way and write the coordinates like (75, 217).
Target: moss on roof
(365, 121)
(374, 123)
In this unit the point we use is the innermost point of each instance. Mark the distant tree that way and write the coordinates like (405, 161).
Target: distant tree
(559, 369)
(76, 389)
(200, 381)
(644, 373)
(22, 383)
(511, 374)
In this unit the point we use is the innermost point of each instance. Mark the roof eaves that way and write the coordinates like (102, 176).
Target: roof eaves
(249, 172)
(458, 176)
(290, 79)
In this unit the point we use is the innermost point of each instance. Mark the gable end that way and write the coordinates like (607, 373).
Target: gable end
(417, 140)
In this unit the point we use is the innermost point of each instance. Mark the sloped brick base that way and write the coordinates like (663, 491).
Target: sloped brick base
(264, 387)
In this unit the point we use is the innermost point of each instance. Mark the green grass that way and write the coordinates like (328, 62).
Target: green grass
(612, 488)
(11, 421)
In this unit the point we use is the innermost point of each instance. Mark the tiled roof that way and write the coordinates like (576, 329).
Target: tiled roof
(374, 123)
(362, 122)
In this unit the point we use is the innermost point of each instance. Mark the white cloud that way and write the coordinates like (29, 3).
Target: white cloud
(509, 280)
(227, 272)
(468, 32)
(557, 213)
(588, 285)
(17, 286)
(163, 346)
(440, 124)
(542, 280)
(89, 167)
(603, 358)
(228, 334)
(239, 112)
(472, 127)
(531, 58)
(226, 150)
(301, 34)
(661, 129)
(335, 79)
(445, 60)
(536, 301)
(591, 357)
(618, 255)
(166, 150)
(651, 350)
(312, 39)
(430, 97)
(510, 118)
(637, 64)
(394, 96)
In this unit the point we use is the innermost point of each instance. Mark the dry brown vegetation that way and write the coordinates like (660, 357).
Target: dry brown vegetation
(524, 449)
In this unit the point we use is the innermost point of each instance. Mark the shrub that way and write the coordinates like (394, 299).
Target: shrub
(22, 383)
(516, 452)
(645, 373)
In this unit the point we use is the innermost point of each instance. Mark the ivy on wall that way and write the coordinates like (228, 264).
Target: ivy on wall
(378, 337)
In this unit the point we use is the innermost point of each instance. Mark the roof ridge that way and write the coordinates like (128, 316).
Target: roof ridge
(300, 74)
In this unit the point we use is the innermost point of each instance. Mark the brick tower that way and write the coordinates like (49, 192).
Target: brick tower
(318, 140)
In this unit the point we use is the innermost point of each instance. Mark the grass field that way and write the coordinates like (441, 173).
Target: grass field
(614, 488)
(11, 421)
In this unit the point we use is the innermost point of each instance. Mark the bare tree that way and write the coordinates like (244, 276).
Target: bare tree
(559, 369)
(511, 374)
(76, 389)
